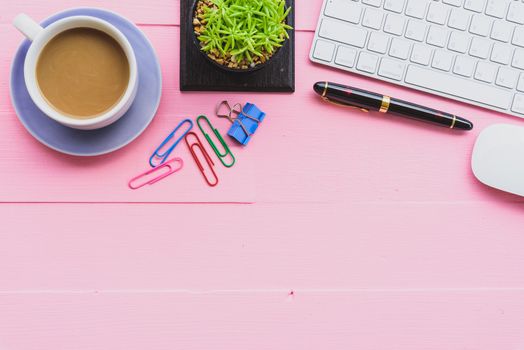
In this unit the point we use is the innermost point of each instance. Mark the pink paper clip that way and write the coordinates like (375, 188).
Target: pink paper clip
(160, 168)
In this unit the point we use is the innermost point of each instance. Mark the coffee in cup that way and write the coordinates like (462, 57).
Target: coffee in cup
(80, 71)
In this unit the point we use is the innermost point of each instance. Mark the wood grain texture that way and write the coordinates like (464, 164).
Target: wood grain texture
(198, 74)
(304, 151)
(262, 246)
(34, 173)
(265, 320)
(368, 232)
(154, 12)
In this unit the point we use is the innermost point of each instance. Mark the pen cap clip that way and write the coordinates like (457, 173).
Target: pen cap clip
(344, 105)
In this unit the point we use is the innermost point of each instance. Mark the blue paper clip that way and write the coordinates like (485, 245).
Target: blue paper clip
(246, 124)
(163, 157)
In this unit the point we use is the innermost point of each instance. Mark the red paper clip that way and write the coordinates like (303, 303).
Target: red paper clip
(160, 169)
(198, 144)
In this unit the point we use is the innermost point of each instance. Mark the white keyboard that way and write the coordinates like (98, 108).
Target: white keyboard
(468, 50)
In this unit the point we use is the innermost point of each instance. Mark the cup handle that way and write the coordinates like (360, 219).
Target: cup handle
(27, 26)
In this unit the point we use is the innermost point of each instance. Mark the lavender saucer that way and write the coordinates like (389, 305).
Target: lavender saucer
(112, 137)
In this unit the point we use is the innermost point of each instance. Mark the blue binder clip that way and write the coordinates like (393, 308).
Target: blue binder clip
(245, 124)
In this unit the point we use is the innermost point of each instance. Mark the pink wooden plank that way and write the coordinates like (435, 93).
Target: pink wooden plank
(373, 245)
(33, 172)
(306, 14)
(306, 150)
(429, 320)
(145, 12)
(163, 12)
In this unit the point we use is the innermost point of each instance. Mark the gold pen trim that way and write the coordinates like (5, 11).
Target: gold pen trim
(325, 90)
(384, 106)
(453, 122)
(337, 103)
(344, 105)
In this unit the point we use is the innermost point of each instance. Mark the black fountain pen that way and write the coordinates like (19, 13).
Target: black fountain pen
(366, 100)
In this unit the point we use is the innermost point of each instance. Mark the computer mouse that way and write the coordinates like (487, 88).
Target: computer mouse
(498, 158)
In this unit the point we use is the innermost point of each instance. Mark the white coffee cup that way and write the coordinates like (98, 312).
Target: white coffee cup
(41, 36)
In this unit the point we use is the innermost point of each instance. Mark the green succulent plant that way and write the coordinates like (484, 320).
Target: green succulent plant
(244, 31)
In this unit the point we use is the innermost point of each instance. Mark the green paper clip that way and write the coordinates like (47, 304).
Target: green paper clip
(220, 155)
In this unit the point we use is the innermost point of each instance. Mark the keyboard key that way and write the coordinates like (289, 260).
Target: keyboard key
(464, 66)
(459, 87)
(344, 10)
(459, 19)
(518, 36)
(394, 5)
(378, 42)
(486, 72)
(469, 50)
(475, 5)
(342, 32)
(376, 3)
(518, 104)
(501, 53)
(480, 48)
(506, 78)
(372, 18)
(437, 13)
(346, 56)
(518, 59)
(480, 25)
(458, 42)
(437, 36)
(516, 12)
(416, 30)
(394, 24)
(497, 8)
(520, 84)
(416, 8)
(324, 50)
(502, 31)
(421, 54)
(399, 48)
(457, 3)
(442, 60)
(391, 69)
(367, 62)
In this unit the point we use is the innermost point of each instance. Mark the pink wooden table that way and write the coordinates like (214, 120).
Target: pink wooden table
(337, 230)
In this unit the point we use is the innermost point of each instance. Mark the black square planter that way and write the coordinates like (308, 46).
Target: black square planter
(198, 74)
